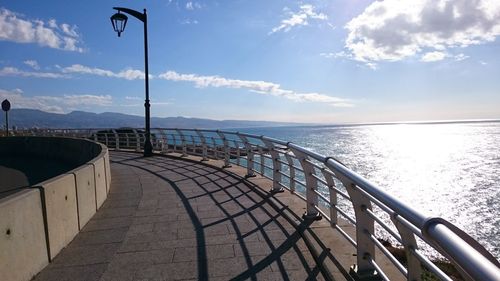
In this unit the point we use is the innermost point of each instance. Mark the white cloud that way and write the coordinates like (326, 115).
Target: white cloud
(336, 55)
(189, 21)
(12, 71)
(133, 98)
(55, 104)
(13, 27)
(129, 74)
(261, 87)
(190, 5)
(371, 65)
(392, 30)
(97, 100)
(302, 17)
(460, 57)
(69, 30)
(433, 56)
(161, 103)
(32, 63)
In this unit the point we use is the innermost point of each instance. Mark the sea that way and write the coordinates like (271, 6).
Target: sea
(448, 169)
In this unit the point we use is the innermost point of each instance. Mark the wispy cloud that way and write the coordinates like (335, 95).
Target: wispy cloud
(32, 63)
(12, 71)
(133, 98)
(392, 30)
(129, 74)
(55, 104)
(299, 18)
(460, 57)
(16, 28)
(261, 87)
(336, 55)
(433, 56)
(190, 5)
(94, 100)
(160, 103)
(189, 21)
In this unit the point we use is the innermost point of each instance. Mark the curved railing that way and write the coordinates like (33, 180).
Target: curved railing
(330, 190)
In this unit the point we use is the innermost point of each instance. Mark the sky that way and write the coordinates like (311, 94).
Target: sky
(338, 61)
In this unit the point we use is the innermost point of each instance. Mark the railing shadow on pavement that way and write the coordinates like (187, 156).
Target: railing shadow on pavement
(231, 187)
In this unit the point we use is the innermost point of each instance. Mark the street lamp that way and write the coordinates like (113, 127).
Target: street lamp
(119, 21)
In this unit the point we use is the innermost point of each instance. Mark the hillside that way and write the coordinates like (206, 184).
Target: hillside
(29, 118)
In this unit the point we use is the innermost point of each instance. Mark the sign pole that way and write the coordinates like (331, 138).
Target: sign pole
(7, 123)
(6, 108)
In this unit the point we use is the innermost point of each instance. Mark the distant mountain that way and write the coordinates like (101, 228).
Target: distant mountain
(29, 118)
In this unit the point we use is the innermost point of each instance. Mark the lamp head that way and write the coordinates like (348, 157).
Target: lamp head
(119, 21)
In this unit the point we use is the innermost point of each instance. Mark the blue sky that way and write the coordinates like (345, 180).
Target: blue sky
(300, 61)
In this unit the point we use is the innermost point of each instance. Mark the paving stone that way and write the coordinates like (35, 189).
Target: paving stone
(73, 273)
(106, 236)
(147, 256)
(118, 272)
(107, 223)
(210, 252)
(85, 255)
(180, 220)
(140, 228)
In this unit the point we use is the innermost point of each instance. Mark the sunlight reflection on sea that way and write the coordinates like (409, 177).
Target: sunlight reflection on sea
(448, 170)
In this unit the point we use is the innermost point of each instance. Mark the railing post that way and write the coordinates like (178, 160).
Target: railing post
(183, 140)
(137, 140)
(311, 184)
(291, 167)
(204, 150)
(238, 152)
(117, 139)
(261, 158)
(409, 243)
(333, 196)
(214, 148)
(174, 145)
(226, 149)
(250, 156)
(276, 165)
(365, 226)
(155, 141)
(164, 141)
(193, 142)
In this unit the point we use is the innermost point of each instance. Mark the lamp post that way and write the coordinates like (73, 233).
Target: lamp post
(119, 22)
(6, 108)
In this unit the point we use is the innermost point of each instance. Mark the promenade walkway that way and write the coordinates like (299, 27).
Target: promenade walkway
(169, 218)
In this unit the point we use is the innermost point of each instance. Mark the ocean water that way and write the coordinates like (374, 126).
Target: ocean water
(450, 170)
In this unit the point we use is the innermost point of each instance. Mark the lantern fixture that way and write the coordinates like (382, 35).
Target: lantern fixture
(119, 21)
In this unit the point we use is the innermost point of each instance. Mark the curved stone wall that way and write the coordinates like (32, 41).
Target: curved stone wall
(40, 220)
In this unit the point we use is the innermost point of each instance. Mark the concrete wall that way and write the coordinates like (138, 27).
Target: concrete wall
(23, 248)
(101, 189)
(67, 201)
(85, 193)
(72, 151)
(62, 211)
(108, 170)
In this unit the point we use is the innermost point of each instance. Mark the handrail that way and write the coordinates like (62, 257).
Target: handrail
(319, 174)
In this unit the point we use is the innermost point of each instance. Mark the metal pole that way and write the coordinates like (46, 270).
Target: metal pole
(7, 123)
(148, 147)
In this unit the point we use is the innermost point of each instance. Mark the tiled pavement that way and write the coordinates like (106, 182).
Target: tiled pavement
(171, 219)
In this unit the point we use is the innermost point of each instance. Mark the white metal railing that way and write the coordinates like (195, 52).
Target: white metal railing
(330, 190)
